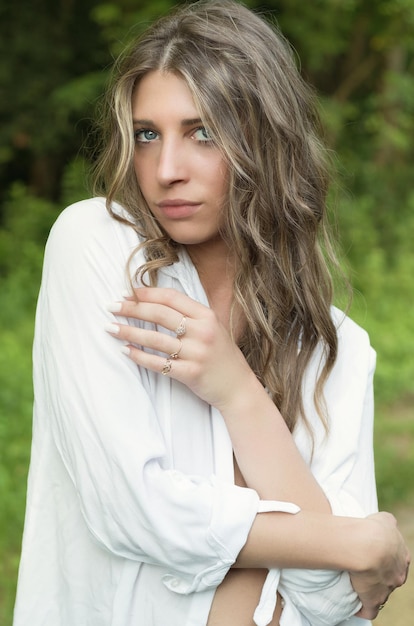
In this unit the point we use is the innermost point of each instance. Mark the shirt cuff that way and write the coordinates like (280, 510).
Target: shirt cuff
(332, 603)
(233, 517)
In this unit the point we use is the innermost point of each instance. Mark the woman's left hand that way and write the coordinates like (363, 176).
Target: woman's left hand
(203, 357)
(376, 583)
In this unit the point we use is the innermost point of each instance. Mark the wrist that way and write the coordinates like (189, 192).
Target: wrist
(372, 547)
(362, 555)
(250, 407)
(245, 398)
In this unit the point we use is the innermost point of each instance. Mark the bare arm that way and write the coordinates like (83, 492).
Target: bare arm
(265, 450)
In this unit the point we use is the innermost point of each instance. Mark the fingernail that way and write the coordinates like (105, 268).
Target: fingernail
(114, 307)
(112, 328)
(126, 350)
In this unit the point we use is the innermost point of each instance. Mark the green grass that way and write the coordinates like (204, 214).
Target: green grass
(394, 453)
(15, 435)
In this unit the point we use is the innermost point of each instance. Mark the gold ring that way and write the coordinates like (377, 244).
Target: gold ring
(180, 330)
(167, 367)
(174, 355)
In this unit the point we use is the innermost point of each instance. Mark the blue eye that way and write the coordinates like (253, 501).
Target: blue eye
(145, 135)
(201, 134)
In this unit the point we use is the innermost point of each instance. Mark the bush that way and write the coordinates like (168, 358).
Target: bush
(15, 434)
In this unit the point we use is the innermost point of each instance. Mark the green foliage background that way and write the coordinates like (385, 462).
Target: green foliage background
(54, 61)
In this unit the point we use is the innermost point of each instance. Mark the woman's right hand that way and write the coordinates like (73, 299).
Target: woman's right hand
(204, 357)
(388, 569)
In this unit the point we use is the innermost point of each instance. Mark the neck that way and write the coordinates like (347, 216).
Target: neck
(216, 269)
(214, 263)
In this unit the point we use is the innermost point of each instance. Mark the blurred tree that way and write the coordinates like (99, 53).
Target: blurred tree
(360, 56)
(46, 45)
(55, 55)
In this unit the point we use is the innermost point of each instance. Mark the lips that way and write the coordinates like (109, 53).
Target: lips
(178, 208)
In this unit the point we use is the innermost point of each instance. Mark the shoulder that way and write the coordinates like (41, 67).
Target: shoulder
(87, 216)
(87, 254)
(346, 328)
(87, 224)
(354, 344)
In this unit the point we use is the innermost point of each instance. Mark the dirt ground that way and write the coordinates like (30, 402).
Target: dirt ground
(399, 610)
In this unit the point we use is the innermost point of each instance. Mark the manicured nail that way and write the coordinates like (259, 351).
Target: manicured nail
(126, 350)
(114, 307)
(112, 328)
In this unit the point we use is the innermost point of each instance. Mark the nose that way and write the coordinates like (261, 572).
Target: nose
(172, 163)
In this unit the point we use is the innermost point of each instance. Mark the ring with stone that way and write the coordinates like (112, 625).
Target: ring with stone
(180, 330)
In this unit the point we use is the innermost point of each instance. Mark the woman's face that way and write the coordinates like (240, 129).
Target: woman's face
(181, 172)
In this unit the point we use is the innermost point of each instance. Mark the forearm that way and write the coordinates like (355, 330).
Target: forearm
(266, 452)
(312, 541)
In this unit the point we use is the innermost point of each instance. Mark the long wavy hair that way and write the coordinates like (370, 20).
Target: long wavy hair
(263, 116)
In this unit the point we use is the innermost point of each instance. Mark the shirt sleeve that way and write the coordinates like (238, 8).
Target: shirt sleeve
(344, 459)
(93, 401)
(343, 463)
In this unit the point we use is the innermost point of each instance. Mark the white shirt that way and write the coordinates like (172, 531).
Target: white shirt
(132, 516)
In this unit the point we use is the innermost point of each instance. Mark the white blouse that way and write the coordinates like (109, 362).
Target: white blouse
(132, 516)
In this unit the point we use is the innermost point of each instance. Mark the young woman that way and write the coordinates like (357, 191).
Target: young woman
(208, 459)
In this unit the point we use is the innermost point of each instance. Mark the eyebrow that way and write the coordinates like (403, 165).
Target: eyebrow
(185, 122)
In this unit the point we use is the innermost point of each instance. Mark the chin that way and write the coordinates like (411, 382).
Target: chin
(192, 239)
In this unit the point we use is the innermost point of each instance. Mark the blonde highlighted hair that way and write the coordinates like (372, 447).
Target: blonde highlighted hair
(262, 115)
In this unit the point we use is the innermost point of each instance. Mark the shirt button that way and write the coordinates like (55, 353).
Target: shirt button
(174, 582)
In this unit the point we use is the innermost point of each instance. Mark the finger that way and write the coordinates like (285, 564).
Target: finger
(370, 612)
(142, 338)
(168, 365)
(150, 361)
(159, 314)
(172, 299)
(367, 613)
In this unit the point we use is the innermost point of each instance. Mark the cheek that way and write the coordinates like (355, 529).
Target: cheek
(142, 173)
(144, 183)
(137, 167)
(221, 180)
